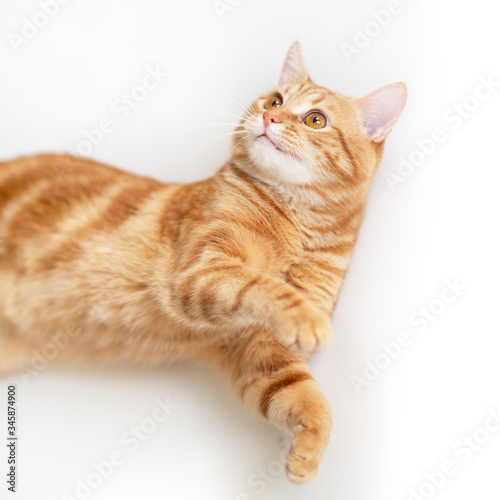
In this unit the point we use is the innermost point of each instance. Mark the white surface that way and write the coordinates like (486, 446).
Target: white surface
(440, 223)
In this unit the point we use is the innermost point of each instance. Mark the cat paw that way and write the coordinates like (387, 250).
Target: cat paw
(306, 453)
(304, 329)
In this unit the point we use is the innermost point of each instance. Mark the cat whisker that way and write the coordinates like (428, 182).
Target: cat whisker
(217, 138)
(238, 100)
(223, 112)
(241, 106)
(225, 124)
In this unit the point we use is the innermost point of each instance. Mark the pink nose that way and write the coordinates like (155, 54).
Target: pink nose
(270, 117)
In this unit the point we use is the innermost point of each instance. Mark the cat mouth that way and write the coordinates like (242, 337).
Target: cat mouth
(266, 137)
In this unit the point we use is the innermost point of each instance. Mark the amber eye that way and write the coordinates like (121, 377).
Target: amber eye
(274, 101)
(315, 119)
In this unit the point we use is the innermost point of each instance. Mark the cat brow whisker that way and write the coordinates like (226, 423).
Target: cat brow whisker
(238, 103)
(248, 111)
(237, 98)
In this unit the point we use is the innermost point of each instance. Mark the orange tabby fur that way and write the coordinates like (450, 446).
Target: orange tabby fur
(243, 268)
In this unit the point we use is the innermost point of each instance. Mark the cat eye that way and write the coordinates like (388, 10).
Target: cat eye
(315, 119)
(274, 101)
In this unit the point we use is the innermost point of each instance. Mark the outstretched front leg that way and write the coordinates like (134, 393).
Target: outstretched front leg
(277, 384)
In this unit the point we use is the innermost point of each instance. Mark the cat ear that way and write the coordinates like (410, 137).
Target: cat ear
(380, 110)
(294, 69)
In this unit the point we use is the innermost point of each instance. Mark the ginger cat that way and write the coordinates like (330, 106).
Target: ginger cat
(243, 268)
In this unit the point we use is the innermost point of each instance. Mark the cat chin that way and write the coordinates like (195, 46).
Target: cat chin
(279, 167)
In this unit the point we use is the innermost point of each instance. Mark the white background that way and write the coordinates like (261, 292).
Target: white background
(440, 223)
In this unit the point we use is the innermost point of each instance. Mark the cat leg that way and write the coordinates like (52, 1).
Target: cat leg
(277, 384)
(223, 292)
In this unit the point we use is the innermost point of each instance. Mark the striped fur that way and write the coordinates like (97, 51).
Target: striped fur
(244, 268)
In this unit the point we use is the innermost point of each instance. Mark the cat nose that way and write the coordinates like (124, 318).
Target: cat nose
(271, 117)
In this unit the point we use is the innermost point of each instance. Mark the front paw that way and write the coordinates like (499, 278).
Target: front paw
(302, 328)
(311, 437)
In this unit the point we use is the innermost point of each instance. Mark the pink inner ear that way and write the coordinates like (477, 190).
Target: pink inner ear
(380, 110)
(294, 68)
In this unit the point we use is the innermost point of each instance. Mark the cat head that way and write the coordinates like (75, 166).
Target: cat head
(300, 133)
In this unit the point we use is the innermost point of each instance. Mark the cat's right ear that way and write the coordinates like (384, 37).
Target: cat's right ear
(294, 69)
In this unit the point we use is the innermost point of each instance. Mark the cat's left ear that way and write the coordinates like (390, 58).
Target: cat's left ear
(294, 69)
(379, 111)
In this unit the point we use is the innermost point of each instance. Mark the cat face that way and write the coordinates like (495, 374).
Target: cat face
(300, 133)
